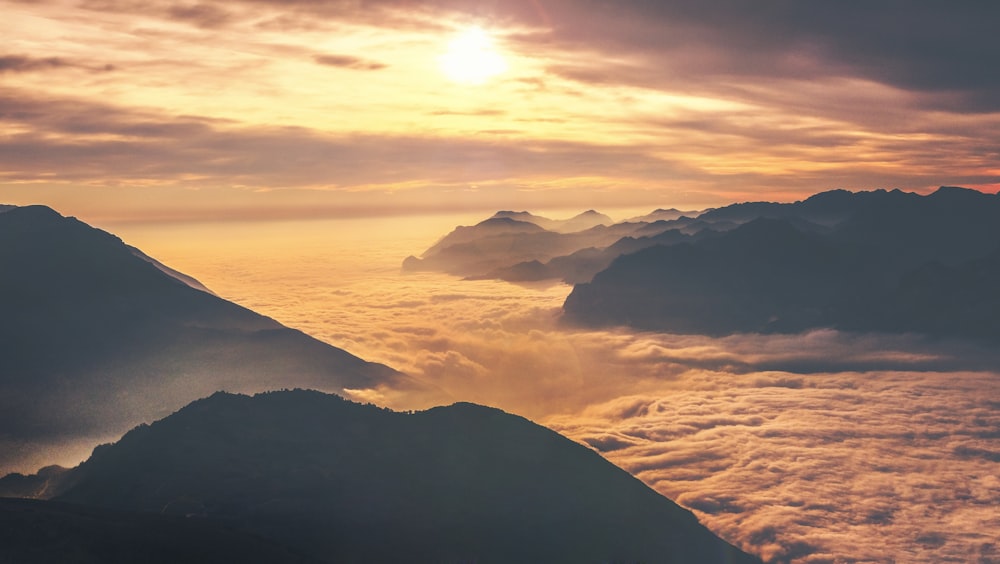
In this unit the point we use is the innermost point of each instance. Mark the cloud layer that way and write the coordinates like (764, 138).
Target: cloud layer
(821, 447)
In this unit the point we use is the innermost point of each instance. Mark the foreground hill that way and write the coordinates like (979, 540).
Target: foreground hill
(96, 337)
(345, 482)
(871, 261)
(45, 532)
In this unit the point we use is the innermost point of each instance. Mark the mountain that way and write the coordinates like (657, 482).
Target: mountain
(763, 276)
(581, 266)
(937, 299)
(661, 214)
(579, 222)
(523, 247)
(188, 280)
(586, 220)
(96, 338)
(41, 532)
(868, 261)
(345, 482)
(501, 242)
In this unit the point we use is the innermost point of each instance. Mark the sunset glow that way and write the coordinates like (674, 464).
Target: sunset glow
(261, 109)
(745, 251)
(472, 58)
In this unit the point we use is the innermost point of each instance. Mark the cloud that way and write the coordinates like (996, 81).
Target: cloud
(347, 61)
(21, 63)
(200, 14)
(791, 473)
(75, 140)
(938, 51)
(623, 104)
(25, 63)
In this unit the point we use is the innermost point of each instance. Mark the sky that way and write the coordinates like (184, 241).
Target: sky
(175, 109)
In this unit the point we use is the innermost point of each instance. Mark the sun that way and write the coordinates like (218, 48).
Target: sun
(472, 58)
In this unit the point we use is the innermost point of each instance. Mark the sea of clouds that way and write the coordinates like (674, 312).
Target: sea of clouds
(818, 447)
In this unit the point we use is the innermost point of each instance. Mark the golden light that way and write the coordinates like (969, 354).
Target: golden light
(472, 58)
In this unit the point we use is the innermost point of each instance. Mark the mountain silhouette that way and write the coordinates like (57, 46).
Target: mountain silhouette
(96, 338)
(579, 222)
(45, 532)
(523, 247)
(501, 242)
(345, 482)
(761, 276)
(582, 265)
(661, 214)
(883, 261)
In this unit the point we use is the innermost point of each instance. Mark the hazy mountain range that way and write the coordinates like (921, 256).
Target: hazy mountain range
(878, 261)
(501, 246)
(96, 338)
(345, 482)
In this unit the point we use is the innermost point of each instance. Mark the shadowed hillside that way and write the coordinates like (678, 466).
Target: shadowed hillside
(346, 482)
(871, 262)
(46, 532)
(96, 339)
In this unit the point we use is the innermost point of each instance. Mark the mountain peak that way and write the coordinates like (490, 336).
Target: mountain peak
(953, 192)
(34, 212)
(507, 221)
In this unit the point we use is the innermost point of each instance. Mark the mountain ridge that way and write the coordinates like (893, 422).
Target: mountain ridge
(342, 481)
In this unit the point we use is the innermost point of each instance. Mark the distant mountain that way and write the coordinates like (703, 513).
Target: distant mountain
(523, 247)
(579, 222)
(581, 266)
(661, 214)
(95, 338)
(867, 261)
(500, 242)
(345, 482)
(586, 220)
(45, 532)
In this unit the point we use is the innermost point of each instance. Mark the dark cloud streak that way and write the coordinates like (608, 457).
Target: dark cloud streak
(349, 62)
(25, 63)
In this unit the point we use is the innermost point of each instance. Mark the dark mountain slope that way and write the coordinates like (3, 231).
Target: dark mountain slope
(354, 483)
(94, 339)
(763, 276)
(46, 532)
(870, 261)
(582, 265)
(940, 300)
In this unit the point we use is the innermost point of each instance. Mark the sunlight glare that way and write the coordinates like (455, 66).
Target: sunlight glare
(472, 58)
